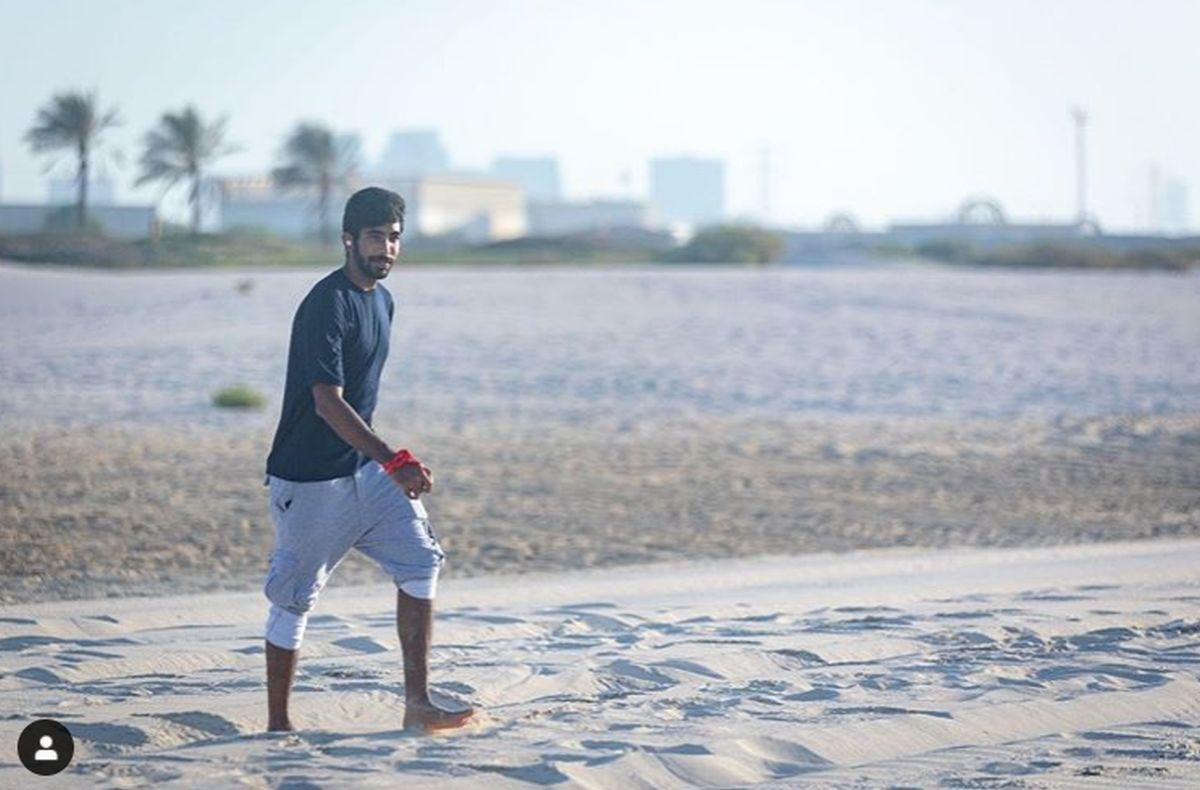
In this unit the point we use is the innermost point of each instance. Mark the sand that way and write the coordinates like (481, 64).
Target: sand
(1049, 667)
(128, 509)
(1039, 624)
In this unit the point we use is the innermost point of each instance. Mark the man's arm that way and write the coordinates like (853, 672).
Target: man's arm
(345, 422)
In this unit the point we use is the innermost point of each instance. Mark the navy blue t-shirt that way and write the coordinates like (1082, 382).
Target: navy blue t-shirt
(339, 336)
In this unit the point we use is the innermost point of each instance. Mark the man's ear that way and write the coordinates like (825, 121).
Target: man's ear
(347, 240)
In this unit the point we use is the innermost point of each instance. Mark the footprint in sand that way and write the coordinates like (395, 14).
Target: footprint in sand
(39, 675)
(868, 623)
(805, 657)
(207, 723)
(967, 615)
(625, 675)
(819, 694)
(864, 609)
(583, 606)
(690, 667)
(15, 644)
(493, 619)
(362, 644)
(357, 751)
(1102, 638)
(109, 737)
(1134, 675)
(1037, 595)
(886, 710)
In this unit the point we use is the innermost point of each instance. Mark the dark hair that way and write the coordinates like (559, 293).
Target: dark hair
(372, 206)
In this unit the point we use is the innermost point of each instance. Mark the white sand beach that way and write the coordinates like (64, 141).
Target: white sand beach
(1060, 666)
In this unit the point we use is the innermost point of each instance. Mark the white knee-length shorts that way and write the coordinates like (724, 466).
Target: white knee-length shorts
(316, 525)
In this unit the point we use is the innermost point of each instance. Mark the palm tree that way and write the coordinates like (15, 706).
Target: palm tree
(72, 120)
(183, 146)
(316, 159)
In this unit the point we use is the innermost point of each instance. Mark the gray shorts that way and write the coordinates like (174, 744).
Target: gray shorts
(317, 523)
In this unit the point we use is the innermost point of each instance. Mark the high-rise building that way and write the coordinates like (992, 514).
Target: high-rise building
(688, 190)
(537, 174)
(1174, 207)
(416, 152)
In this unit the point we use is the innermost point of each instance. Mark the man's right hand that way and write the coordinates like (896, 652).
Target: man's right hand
(413, 480)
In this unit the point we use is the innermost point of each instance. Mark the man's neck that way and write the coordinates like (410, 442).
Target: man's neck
(360, 280)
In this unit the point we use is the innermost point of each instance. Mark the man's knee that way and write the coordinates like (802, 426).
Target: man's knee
(425, 589)
(290, 605)
(418, 577)
(285, 628)
(421, 582)
(293, 587)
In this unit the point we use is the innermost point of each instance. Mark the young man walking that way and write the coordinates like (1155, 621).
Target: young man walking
(334, 483)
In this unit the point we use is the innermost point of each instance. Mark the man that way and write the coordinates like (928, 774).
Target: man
(334, 483)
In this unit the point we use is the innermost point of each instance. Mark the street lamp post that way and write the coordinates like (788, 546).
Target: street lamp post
(1080, 118)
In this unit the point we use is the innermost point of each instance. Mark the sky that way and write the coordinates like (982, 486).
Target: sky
(892, 110)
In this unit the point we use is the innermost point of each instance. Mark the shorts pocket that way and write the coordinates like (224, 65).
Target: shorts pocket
(282, 496)
(418, 509)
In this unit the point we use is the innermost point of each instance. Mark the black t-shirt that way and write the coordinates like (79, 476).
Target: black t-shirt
(339, 336)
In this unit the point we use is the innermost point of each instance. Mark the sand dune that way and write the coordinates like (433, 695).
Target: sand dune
(969, 668)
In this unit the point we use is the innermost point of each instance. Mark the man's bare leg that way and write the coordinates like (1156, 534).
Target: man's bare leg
(281, 670)
(414, 623)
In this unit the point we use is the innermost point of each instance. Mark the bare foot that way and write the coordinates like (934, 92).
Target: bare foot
(424, 715)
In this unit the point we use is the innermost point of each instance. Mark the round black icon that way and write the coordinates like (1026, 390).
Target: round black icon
(45, 747)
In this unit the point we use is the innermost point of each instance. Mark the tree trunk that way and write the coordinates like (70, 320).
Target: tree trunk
(323, 211)
(194, 198)
(81, 199)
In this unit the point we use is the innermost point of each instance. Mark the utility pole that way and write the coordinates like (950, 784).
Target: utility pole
(764, 182)
(1154, 219)
(1080, 118)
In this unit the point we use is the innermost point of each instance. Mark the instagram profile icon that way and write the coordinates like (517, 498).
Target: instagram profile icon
(45, 747)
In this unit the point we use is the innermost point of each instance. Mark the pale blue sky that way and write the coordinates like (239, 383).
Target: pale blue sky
(890, 109)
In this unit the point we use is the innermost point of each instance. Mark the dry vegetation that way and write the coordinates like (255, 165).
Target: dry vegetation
(130, 510)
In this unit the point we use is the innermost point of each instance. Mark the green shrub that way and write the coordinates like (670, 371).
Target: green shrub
(239, 396)
(947, 250)
(729, 244)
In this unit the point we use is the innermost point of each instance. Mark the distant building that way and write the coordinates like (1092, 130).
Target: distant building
(980, 223)
(465, 208)
(417, 152)
(560, 219)
(913, 234)
(1173, 207)
(65, 191)
(256, 203)
(983, 222)
(123, 222)
(688, 190)
(538, 175)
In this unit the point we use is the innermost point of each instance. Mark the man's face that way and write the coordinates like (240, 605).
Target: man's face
(376, 249)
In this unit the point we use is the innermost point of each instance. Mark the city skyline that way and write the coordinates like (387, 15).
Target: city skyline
(887, 111)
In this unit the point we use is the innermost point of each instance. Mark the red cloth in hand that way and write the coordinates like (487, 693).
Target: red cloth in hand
(401, 458)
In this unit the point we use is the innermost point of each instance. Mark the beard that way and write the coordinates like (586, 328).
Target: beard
(376, 267)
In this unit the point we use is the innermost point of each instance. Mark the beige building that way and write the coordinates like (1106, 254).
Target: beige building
(473, 209)
(468, 208)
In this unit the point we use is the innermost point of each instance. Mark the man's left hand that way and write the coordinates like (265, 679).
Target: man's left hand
(415, 480)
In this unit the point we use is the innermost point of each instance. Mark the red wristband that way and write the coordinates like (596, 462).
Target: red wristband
(401, 458)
